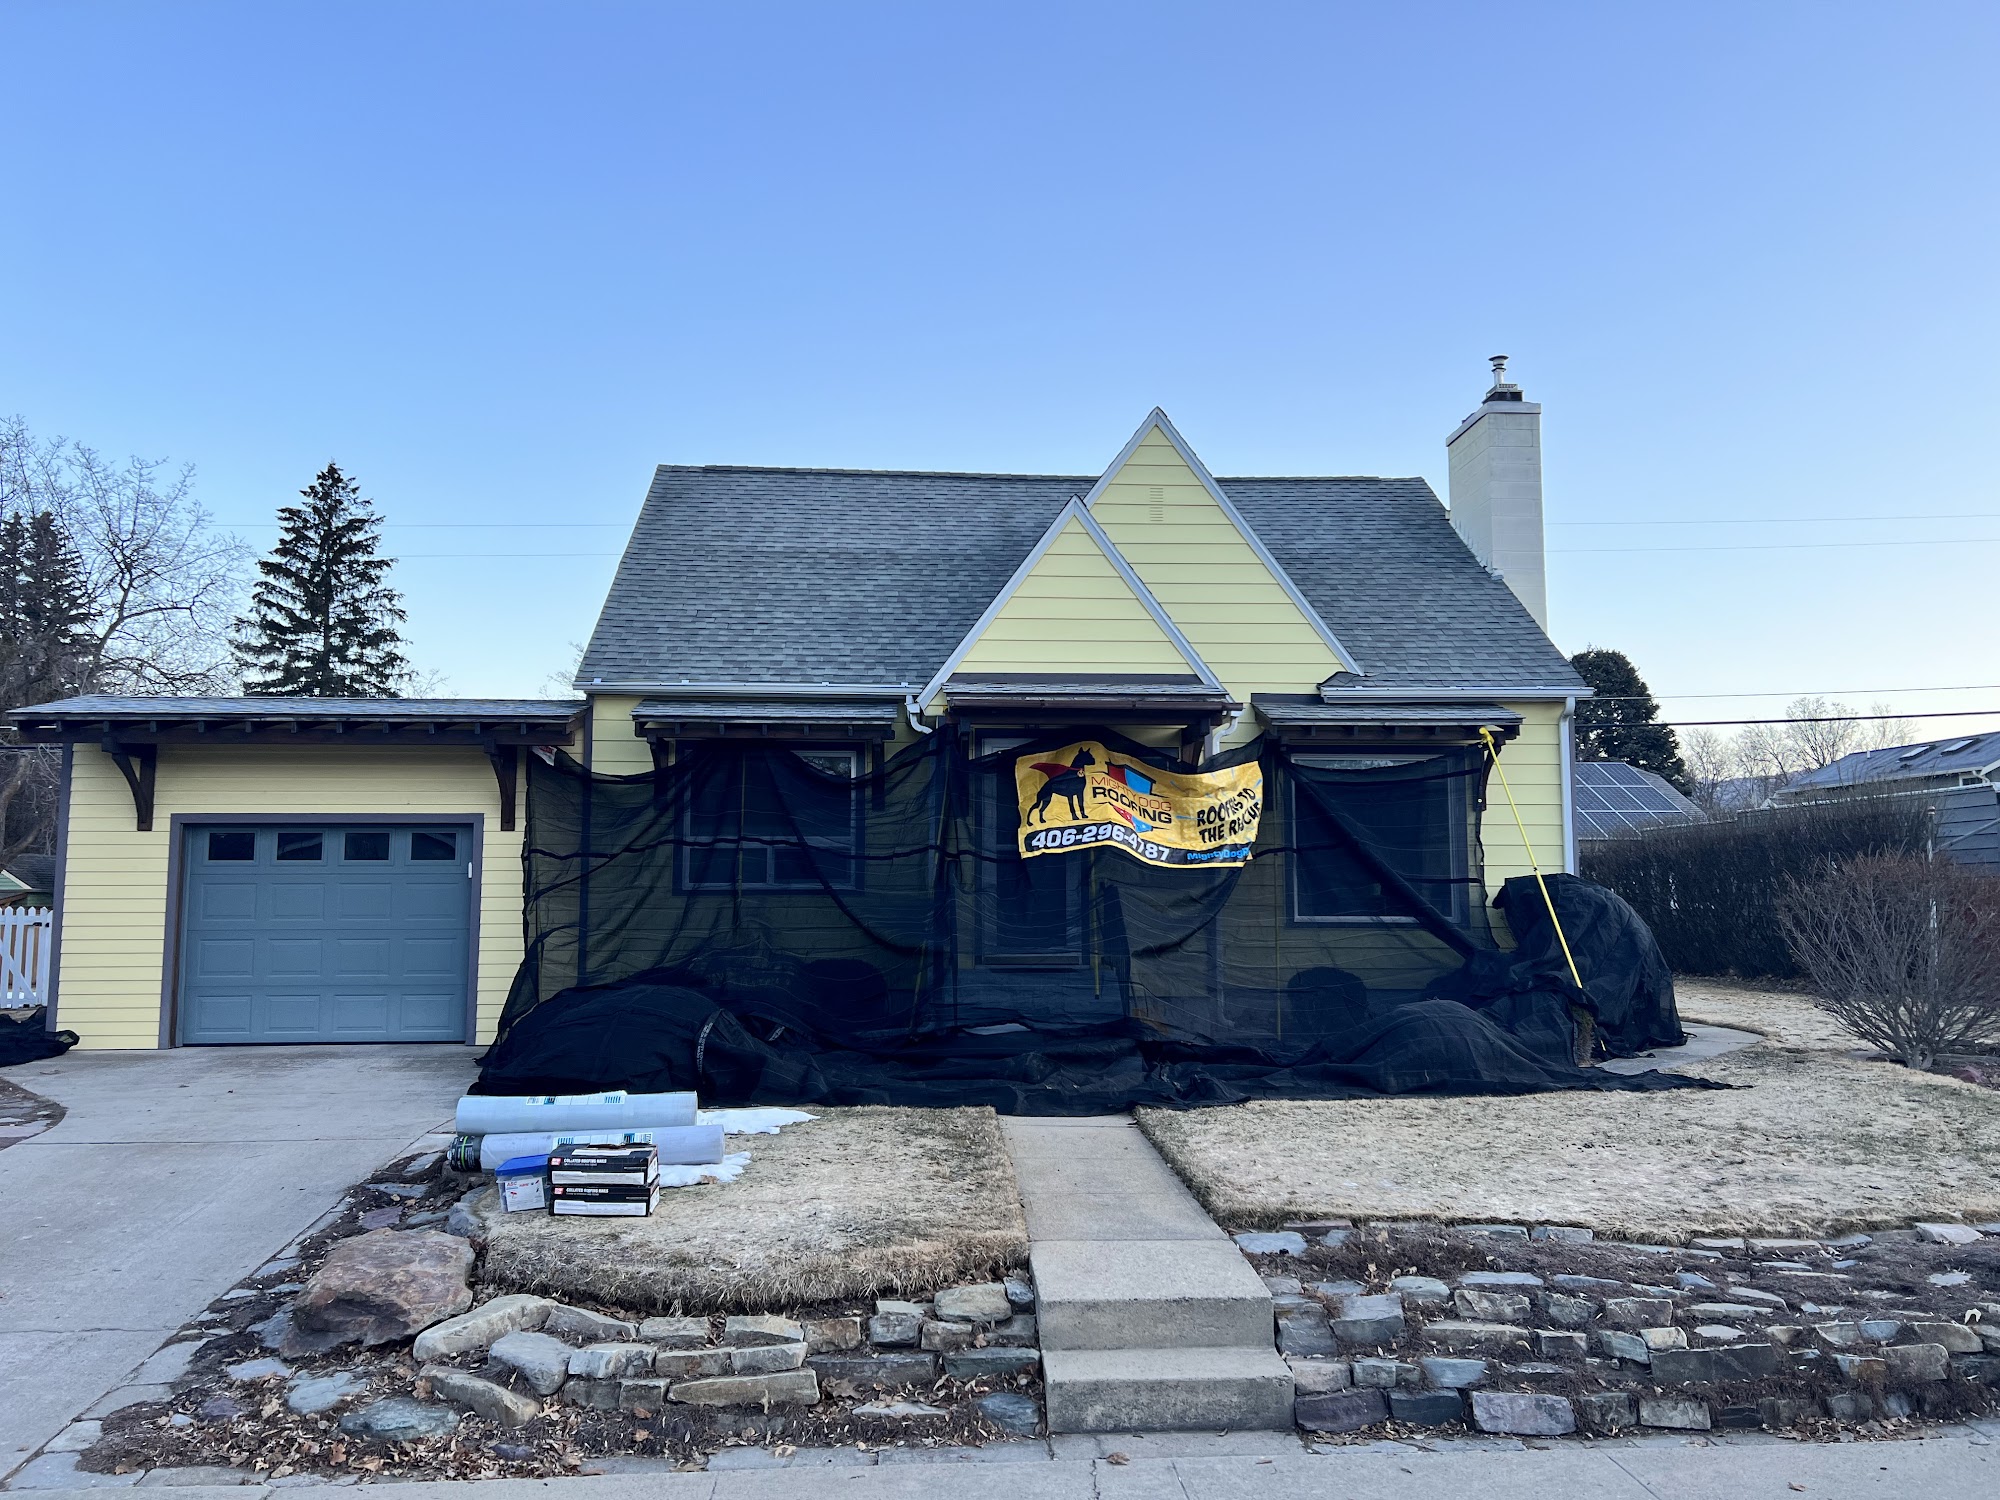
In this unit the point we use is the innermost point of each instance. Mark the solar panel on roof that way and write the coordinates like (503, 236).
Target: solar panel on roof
(1957, 745)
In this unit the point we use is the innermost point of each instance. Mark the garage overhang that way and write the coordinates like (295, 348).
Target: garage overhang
(131, 730)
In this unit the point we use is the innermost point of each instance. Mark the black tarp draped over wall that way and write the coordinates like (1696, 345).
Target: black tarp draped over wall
(816, 930)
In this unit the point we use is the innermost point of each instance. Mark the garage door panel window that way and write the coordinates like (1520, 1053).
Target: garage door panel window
(231, 844)
(365, 845)
(299, 846)
(426, 845)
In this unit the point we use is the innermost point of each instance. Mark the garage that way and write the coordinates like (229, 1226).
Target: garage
(335, 932)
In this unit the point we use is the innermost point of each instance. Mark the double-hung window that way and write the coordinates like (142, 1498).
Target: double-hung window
(777, 820)
(1415, 817)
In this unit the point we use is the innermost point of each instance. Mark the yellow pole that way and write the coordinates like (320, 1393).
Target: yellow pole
(1493, 749)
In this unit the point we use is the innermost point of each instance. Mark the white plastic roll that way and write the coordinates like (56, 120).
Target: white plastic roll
(680, 1145)
(490, 1114)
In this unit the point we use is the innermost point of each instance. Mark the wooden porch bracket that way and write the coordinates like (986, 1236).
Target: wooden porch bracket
(139, 764)
(506, 761)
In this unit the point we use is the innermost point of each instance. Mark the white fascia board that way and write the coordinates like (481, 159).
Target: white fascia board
(1158, 418)
(1074, 510)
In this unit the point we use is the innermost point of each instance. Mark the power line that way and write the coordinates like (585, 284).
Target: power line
(1963, 687)
(1955, 713)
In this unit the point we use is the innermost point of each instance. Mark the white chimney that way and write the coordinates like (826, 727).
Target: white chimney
(1496, 489)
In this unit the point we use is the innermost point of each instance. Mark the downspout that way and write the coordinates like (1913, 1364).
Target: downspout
(915, 714)
(1569, 783)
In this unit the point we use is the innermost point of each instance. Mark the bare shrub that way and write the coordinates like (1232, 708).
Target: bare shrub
(1903, 951)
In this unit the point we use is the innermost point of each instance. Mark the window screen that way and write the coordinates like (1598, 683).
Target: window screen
(1420, 827)
(767, 825)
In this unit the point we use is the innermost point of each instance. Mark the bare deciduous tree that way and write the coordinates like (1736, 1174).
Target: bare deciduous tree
(1903, 951)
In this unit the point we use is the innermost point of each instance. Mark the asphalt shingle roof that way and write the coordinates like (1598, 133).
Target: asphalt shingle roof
(1948, 755)
(857, 577)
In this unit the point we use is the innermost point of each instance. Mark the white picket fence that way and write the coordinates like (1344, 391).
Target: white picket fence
(25, 933)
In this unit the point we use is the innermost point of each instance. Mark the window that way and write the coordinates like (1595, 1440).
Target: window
(1419, 825)
(299, 844)
(778, 821)
(366, 844)
(428, 844)
(232, 843)
(1035, 919)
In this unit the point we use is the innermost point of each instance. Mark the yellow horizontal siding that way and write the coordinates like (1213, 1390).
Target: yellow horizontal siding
(114, 909)
(616, 746)
(1535, 772)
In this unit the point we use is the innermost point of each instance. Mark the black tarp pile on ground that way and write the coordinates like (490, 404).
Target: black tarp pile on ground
(28, 1039)
(767, 928)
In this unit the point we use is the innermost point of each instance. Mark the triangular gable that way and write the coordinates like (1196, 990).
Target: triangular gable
(1075, 605)
(1213, 574)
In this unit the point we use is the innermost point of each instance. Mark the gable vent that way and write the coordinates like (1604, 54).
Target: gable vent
(1156, 502)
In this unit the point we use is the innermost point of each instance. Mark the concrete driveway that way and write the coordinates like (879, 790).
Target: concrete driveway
(173, 1175)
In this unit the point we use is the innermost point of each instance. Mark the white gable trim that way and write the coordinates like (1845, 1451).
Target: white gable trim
(1158, 418)
(1074, 510)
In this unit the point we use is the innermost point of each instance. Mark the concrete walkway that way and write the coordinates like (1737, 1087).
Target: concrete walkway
(1703, 1043)
(1962, 1466)
(173, 1175)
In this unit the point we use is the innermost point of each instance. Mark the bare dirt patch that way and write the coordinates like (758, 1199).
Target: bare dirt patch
(1814, 1141)
(854, 1203)
(23, 1114)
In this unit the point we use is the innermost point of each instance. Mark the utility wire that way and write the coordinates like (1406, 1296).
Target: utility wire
(1964, 687)
(1954, 713)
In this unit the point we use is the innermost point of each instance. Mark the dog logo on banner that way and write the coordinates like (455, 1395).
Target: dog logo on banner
(1086, 795)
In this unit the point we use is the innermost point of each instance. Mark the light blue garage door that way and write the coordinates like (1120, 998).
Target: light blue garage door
(325, 934)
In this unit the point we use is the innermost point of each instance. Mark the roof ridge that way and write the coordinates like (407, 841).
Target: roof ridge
(1008, 474)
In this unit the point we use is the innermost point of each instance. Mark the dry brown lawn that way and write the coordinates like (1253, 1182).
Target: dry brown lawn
(856, 1203)
(1818, 1140)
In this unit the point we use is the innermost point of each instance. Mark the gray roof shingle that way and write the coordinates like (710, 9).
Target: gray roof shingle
(870, 578)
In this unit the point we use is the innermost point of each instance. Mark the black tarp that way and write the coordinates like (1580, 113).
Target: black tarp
(1630, 986)
(776, 926)
(28, 1039)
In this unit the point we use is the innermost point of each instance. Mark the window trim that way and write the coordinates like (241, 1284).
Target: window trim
(858, 759)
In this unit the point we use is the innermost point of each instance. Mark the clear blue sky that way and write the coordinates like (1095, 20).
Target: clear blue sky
(498, 260)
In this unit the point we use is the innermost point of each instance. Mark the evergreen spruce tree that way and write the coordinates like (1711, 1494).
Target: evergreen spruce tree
(321, 623)
(1620, 723)
(46, 649)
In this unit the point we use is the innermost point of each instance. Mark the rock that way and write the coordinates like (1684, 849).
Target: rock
(1381, 1374)
(399, 1419)
(478, 1329)
(381, 1286)
(1333, 1239)
(1560, 1344)
(1013, 1414)
(1881, 1330)
(938, 1337)
(1280, 1242)
(1333, 1291)
(581, 1325)
(1702, 1366)
(483, 1397)
(1980, 1369)
(1851, 1406)
(1897, 1404)
(766, 1359)
(1722, 1333)
(220, 1409)
(991, 1364)
(786, 1388)
(1638, 1312)
(1496, 1231)
(611, 1361)
(1948, 1234)
(900, 1411)
(1569, 1312)
(895, 1329)
(1340, 1411)
(1676, 1413)
(1491, 1307)
(891, 1305)
(1562, 1233)
(1303, 1330)
(1423, 1291)
(256, 1369)
(1779, 1412)
(1370, 1320)
(1018, 1332)
(1535, 1369)
(309, 1395)
(540, 1359)
(1694, 1281)
(1606, 1412)
(1522, 1413)
(1720, 1310)
(1949, 1278)
(1786, 1334)
(190, 1476)
(1458, 1335)
(381, 1218)
(697, 1364)
(1768, 1247)
(1737, 1244)
(1283, 1286)
(849, 1374)
(1020, 1293)
(1839, 1335)
(742, 1332)
(1316, 1377)
(1570, 1283)
(1427, 1408)
(1452, 1374)
(643, 1397)
(1663, 1338)
(1620, 1345)
(1989, 1335)
(1916, 1362)
(1501, 1278)
(592, 1395)
(985, 1302)
(1751, 1294)
(1863, 1369)
(1957, 1338)
(692, 1333)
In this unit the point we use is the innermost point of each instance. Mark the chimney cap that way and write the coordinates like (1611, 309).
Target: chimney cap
(1502, 389)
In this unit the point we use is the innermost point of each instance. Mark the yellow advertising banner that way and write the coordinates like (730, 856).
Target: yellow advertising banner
(1087, 796)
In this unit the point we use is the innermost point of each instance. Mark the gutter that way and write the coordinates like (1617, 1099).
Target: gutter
(1567, 696)
(749, 689)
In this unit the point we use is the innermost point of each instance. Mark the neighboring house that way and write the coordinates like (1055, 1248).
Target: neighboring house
(325, 870)
(1614, 799)
(29, 881)
(1958, 774)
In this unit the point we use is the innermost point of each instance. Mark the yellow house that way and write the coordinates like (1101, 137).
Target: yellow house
(244, 870)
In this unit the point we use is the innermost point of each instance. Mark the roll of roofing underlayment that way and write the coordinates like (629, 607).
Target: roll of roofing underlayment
(679, 1145)
(488, 1114)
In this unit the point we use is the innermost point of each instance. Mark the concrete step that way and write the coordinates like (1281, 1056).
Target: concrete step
(1149, 1294)
(1166, 1390)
